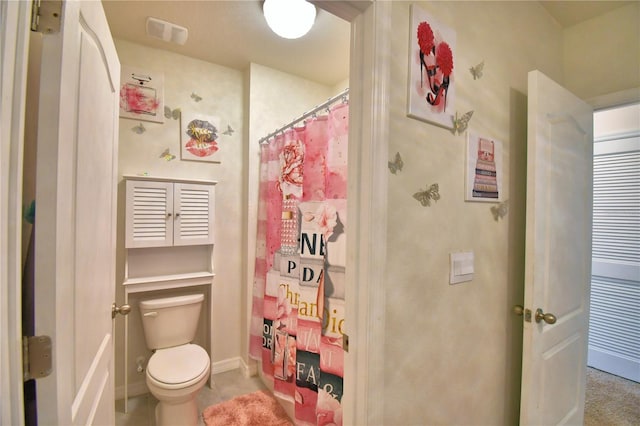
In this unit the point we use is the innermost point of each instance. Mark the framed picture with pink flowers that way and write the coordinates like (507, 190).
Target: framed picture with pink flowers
(141, 95)
(431, 91)
(199, 136)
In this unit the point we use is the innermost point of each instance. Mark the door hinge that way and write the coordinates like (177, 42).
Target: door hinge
(345, 342)
(45, 16)
(36, 357)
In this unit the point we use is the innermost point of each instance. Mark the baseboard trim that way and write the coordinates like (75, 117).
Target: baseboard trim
(614, 363)
(251, 369)
(226, 365)
(135, 389)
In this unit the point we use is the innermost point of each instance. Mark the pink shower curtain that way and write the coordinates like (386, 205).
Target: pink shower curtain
(298, 293)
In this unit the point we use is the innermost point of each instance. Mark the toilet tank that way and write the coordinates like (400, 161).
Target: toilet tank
(170, 321)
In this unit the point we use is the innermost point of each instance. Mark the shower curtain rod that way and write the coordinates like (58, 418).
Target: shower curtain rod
(341, 96)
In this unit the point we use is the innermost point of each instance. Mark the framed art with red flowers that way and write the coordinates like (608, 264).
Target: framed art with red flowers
(431, 91)
(199, 137)
(141, 95)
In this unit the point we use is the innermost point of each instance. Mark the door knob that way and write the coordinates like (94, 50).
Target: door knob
(122, 310)
(548, 318)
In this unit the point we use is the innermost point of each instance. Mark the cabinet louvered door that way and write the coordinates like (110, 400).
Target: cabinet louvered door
(614, 326)
(194, 214)
(149, 214)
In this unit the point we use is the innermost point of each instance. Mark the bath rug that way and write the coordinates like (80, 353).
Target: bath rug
(257, 408)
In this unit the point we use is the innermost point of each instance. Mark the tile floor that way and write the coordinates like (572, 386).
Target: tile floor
(226, 386)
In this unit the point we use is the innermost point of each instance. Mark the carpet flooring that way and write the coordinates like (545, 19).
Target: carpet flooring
(611, 400)
(257, 408)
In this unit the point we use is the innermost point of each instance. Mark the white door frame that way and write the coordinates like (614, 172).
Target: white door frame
(14, 36)
(615, 99)
(367, 213)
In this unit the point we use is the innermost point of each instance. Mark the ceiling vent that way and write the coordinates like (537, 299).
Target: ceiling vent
(166, 31)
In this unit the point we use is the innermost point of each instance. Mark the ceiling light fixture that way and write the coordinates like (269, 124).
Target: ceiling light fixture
(289, 18)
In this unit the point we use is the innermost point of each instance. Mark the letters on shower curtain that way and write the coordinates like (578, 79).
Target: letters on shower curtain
(298, 297)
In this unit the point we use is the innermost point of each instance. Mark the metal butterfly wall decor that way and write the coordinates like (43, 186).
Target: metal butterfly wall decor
(169, 113)
(229, 131)
(196, 97)
(425, 197)
(499, 211)
(476, 71)
(460, 124)
(139, 129)
(396, 165)
(166, 155)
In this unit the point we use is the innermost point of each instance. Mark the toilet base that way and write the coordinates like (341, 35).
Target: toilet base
(184, 413)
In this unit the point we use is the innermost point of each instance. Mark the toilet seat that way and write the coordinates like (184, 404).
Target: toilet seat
(179, 366)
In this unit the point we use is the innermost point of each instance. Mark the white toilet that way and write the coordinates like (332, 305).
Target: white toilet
(178, 369)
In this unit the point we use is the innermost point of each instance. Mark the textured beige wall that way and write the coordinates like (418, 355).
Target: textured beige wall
(338, 88)
(602, 55)
(221, 90)
(452, 352)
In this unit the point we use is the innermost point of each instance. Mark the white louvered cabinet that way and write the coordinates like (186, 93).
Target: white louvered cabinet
(168, 213)
(169, 240)
(169, 232)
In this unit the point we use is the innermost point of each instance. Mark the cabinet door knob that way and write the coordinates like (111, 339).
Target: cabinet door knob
(168, 214)
(122, 310)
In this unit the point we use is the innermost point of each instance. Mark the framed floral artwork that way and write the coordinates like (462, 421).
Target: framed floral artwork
(431, 88)
(484, 169)
(199, 137)
(141, 95)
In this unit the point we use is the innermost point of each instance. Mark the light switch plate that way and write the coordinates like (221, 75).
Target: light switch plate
(461, 269)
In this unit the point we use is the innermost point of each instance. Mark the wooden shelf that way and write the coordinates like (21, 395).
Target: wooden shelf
(160, 282)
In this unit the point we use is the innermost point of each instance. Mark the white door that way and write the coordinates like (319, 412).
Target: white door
(76, 216)
(558, 254)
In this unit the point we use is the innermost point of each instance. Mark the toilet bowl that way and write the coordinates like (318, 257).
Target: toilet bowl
(175, 376)
(178, 369)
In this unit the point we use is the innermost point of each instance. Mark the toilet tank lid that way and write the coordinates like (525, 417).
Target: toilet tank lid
(167, 302)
